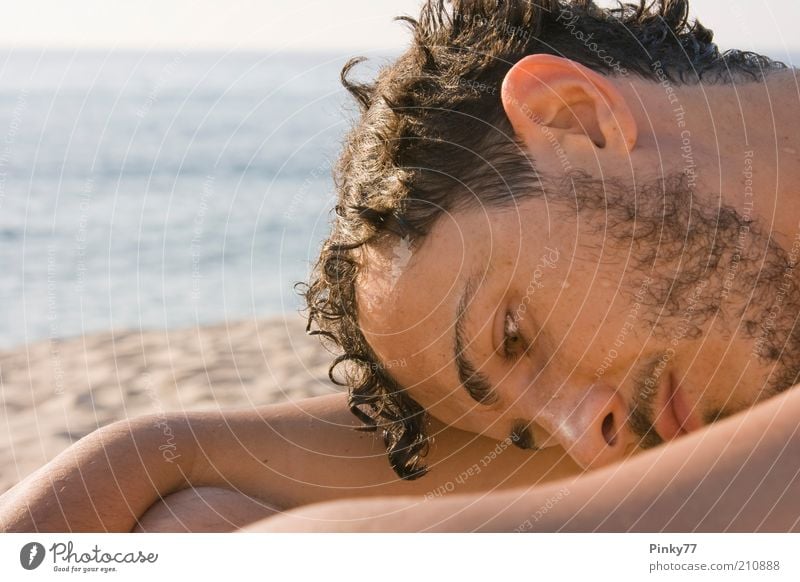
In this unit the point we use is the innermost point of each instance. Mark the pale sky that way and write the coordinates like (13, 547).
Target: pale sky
(359, 25)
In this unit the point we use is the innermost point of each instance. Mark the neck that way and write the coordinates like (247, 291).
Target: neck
(737, 143)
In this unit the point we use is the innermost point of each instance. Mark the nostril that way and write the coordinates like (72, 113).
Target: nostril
(609, 429)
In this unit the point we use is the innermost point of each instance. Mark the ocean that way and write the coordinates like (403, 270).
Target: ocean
(143, 190)
(161, 190)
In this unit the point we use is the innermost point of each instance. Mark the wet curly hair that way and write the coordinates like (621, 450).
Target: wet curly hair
(432, 137)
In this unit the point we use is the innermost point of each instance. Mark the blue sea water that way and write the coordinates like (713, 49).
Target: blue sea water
(160, 190)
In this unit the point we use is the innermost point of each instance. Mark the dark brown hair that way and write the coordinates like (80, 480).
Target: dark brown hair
(432, 137)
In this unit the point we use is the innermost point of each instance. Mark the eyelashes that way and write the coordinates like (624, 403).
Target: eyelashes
(522, 435)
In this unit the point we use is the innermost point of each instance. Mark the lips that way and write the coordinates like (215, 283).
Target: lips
(675, 416)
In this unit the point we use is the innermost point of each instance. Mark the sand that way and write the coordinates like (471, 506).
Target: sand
(52, 393)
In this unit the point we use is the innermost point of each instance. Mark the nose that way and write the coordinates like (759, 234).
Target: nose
(590, 423)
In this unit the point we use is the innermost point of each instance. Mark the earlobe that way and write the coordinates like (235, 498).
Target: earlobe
(545, 96)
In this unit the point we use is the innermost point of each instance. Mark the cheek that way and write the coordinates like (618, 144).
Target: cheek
(459, 410)
(441, 404)
(597, 333)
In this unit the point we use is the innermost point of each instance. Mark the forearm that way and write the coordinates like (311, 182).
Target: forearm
(105, 481)
(740, 475)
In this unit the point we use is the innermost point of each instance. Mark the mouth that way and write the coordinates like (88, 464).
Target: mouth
(675, 416)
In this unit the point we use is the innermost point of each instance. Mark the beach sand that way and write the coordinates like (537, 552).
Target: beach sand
(55, 392)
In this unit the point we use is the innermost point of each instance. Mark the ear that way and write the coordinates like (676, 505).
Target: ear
(547, 97)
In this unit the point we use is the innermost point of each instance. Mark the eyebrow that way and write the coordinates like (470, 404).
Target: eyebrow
(474, 382)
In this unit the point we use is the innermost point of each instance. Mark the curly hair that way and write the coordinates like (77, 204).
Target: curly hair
(432, 137)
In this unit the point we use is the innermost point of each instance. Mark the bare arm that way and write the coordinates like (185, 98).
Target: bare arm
(271, 458)
(101, 483)
(743, 474)
(109, 479)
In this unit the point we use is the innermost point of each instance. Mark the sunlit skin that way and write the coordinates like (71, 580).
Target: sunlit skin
(305, 458)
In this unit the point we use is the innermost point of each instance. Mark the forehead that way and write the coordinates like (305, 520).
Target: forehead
(406, 311)
(406, 296)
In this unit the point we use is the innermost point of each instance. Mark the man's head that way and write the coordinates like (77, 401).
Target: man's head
(552, 224)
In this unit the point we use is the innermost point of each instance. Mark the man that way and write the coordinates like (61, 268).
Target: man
(564, 236)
